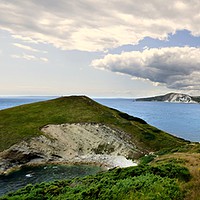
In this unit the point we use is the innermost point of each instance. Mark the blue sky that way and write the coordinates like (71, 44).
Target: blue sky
(99, 48)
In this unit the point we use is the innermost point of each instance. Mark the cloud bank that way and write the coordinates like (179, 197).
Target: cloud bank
(175, 67)
(97, 25)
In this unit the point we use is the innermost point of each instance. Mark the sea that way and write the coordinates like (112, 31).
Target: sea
(181, 120)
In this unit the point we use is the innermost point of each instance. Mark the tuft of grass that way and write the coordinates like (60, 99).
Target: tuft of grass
(24, 122)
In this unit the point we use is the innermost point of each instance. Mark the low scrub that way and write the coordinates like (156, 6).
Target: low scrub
(141, 182)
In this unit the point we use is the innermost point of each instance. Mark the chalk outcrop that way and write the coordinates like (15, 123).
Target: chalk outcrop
(73, 143)
(173, 98)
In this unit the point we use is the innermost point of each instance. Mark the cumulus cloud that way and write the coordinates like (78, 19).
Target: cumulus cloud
(175, 67)
(97, 25)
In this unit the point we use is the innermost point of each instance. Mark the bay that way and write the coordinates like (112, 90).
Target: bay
(43, 173)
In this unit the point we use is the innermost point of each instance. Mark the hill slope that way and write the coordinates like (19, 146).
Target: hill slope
(78, 130)
(173, 97)
(24, 122)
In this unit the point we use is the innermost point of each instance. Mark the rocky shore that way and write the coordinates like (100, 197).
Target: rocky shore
(77, 143)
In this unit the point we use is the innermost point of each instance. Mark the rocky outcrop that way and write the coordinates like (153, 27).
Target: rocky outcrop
(172, 97)
(72, 143)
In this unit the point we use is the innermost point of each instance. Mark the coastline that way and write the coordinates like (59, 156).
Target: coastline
(106, 162)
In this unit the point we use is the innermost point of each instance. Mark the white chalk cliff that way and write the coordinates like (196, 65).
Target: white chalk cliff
(180, 98)
(173, 98)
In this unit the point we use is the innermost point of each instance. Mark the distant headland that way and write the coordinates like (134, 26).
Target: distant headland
(173, 97)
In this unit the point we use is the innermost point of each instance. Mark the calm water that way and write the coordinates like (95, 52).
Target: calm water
(43, 173)
(182, 120)
(8, 102)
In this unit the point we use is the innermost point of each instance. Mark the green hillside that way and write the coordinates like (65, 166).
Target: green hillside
(24, 122)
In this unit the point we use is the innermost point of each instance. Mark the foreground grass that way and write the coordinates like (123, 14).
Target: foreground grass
(189, 157)
(24, 122)
(142, 182)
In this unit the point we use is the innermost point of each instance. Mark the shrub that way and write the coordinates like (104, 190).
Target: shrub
(140, 182)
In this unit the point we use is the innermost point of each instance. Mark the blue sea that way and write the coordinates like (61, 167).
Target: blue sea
(178, 119)
(8, 102)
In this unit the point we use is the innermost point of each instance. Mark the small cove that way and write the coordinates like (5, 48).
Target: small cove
(43, 173)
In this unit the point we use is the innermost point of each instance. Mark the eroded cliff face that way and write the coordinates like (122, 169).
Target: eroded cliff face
(179, 98)
(73, 143)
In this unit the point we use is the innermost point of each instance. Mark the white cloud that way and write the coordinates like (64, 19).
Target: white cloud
(25, 47)
(175, 67)
(97, 25)
(29, 57)
(25, 39)
(24, 56)
(44, 59)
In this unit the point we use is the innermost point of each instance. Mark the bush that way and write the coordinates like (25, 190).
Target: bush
(131, 118)
(147, 159)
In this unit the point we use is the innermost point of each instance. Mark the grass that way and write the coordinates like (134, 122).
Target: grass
(24, 122)
(161, 182)
(189, 157)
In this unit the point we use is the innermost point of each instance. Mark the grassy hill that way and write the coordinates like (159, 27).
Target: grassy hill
(24, 122)
(172, 173)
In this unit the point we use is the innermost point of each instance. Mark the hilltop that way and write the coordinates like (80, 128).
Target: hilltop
(173, 97)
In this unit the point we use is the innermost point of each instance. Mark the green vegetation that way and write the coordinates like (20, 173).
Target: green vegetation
(147, 158)
(188, 148)
(24, 122)
(142, 182)
(196, 98)
(166, 176)
(189, 157)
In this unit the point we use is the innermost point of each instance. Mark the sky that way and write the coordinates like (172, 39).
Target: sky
(115, 48)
